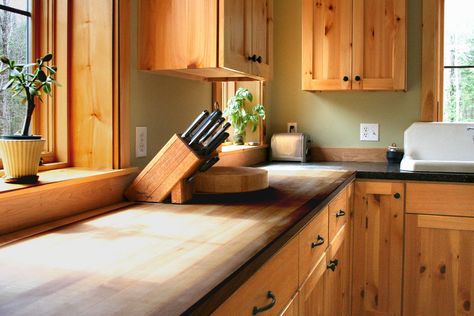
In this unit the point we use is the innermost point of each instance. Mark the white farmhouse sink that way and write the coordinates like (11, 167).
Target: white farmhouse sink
(439, 147)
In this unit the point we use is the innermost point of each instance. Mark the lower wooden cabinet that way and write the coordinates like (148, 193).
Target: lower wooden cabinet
(378, 248)
(327, 290)
(292, 309)
(270, 289)
(439, 265)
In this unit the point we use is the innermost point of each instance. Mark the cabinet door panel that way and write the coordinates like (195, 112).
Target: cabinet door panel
(326, 44)
(439, 266)
(379, 55)
(235, 19)
(262, 36)
(378, 244)
(312, 293)
(337, 291)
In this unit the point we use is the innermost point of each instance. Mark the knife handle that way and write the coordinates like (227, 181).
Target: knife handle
(205, 126)
(195, 124)
(211, 130)
(213, 146)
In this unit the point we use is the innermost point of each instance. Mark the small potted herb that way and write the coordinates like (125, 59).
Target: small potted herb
(239, 116)
(21, 153)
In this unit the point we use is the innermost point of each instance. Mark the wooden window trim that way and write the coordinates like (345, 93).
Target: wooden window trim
(432, 61)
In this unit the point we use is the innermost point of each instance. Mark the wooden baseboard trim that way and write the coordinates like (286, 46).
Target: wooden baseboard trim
(348, 154)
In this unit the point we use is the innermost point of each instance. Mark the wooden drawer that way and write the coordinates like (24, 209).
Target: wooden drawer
(279, 275)
(313, 241)
(441, 199)
(338, 213)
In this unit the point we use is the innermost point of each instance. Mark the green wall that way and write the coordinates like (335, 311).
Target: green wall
(332, 118)
(166, 105)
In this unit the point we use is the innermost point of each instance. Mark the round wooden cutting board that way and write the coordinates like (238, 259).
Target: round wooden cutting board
(231, 180)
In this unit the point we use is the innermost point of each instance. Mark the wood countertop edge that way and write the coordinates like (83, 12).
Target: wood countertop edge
(213, 299)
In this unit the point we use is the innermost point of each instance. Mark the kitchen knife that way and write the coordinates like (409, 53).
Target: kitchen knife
(187, 133)
(212, 130)
(208, 123)
(222, 130)
(204, 167)
(214, 143)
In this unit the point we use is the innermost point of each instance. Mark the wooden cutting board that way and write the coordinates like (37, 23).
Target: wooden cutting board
(231, 180)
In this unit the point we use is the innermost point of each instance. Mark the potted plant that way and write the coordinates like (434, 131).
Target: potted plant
(21, 153)
(239, 116)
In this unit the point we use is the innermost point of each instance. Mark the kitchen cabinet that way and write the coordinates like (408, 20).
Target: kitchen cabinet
(354, 45)
(439, 265)
(439, 249)
(206, 39)
(327, 290)
(292, 309)
(378, 248)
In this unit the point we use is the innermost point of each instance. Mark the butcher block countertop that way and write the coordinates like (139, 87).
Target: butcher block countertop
(162, 259)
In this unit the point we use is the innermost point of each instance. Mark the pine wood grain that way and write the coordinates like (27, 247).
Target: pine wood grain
(337, 207)
(91, 103)
(439, 266)
(312, 292)
(326, 44)
(310, 254)
(378, 249)
(443, 199)
(161, 258)
(293, 308)
(231, 180)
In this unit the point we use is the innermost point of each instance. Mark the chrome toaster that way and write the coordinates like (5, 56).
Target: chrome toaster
(290, 147)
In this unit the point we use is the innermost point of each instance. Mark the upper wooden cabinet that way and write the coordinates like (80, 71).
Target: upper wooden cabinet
(206, 39)
(354, 45)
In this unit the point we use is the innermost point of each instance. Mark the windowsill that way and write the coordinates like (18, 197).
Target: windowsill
(65, 175)
(240, 148)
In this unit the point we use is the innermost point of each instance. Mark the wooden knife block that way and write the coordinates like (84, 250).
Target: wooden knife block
(166, 174)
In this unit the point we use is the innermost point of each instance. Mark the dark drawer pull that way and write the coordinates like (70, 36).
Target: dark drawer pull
(259, 59)
(252, 58)
(258, 310)
(333, 264)
(319, 242)
(340, 213)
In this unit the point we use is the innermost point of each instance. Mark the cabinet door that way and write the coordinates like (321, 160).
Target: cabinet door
(379, 39)
(439, 266)
(312, 293)
(235, 37)
(293, 308)
(378, 248)
(337, 287)
(177, 34)
(326, 44)
(262, 37)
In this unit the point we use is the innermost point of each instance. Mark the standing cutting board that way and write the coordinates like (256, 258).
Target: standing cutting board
(231, 180)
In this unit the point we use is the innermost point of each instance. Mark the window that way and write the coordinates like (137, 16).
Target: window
(15, 42)
(458, 91)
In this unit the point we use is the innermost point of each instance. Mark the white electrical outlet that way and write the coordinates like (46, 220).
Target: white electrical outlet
(369, 132)
(140, 141)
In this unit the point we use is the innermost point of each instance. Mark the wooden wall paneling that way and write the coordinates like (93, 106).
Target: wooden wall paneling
(378, 249)
(91, 87)
(327, 44)
(122, 83)
(439, 261)
(379, 53)
(432, 60)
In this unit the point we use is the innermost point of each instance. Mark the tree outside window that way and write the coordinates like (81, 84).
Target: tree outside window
(15, 42)
(458, 103)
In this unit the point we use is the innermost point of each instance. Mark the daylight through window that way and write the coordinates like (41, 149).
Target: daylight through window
(15, 42)
(458, 102)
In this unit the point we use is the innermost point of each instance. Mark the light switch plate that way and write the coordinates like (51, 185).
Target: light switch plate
(140, 141)
(369, 132)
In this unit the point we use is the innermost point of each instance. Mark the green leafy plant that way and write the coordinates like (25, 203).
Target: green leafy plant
(29, 81)
(239, 116)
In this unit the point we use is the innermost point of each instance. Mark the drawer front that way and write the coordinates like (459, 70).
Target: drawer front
(313, 241)
(441, 199)
(338, 213)
(278, 276)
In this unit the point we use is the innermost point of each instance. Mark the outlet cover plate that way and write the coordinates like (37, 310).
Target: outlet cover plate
(140, 141)
(369, 132)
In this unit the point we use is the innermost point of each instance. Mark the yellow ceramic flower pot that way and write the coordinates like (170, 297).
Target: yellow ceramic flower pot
(21, 159)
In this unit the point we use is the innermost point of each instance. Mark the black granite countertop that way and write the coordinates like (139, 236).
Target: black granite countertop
(380, 170)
